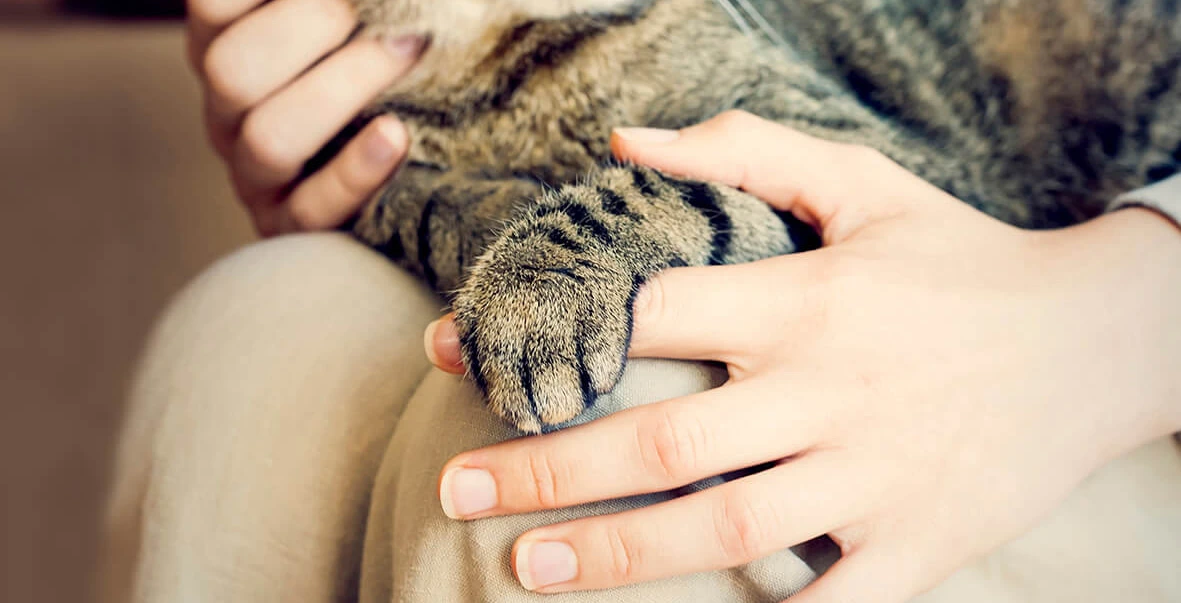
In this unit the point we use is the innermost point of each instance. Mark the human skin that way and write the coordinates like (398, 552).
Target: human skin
(930, 383)
(280, 80)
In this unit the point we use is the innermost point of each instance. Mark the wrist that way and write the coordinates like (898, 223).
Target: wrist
(1124, 275)
(1162, 259)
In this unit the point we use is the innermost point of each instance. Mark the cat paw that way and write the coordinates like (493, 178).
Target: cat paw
(544, 320)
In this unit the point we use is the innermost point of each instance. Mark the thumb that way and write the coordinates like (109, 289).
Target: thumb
(836, 187)
(694, 313)
(441, 342)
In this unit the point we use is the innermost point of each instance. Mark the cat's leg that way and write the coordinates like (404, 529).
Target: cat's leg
(436, 223)
(545, 316)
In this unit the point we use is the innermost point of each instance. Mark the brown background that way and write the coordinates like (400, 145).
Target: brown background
(110, 202)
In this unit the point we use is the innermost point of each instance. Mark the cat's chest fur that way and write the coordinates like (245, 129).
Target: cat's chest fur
(545, 132)
(549, 112)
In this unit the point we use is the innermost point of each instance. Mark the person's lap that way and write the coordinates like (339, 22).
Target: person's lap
(282, 442)
(257, 420)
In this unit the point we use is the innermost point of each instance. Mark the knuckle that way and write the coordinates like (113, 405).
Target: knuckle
(736, 119)
(222, 78)
(839, 272)
(305, 215)
(334, 12)
(744, 526)
(672, 444)
(548, 489)
(209, 12)
(264, 145)
(624, 553)
(836, 286)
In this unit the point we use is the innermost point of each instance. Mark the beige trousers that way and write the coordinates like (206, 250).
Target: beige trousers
(285, 434)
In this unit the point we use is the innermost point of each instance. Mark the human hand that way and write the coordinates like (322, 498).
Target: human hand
(278, 85)
(929, 383)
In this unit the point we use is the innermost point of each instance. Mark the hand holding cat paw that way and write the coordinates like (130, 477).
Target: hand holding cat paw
(278, 85)
(924, 388)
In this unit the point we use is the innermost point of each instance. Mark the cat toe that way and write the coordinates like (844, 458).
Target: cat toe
(536, 378)
(557, 391)
(507, 383)
(603, 353)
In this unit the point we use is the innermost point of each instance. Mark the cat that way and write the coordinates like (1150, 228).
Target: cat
(1036, 112)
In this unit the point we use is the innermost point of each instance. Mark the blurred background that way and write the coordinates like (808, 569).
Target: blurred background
(110, 202)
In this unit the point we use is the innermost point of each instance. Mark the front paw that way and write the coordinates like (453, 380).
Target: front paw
(544, 322)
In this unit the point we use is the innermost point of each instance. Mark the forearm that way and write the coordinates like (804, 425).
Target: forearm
(435, 223)
(1112, 294)
(1164, 199)
(1159, 250)
(1145, 226)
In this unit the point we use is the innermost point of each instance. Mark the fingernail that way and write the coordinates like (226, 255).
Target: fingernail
(447, 340)
(428, 342)
(541, 564)
(653, 135)
(380, 146)
(406, 47)
(465, 492)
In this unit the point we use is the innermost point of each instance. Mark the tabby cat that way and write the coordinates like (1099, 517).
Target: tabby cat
(1037, 112)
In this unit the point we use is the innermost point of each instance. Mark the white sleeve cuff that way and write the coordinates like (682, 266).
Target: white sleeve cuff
(1164, 197)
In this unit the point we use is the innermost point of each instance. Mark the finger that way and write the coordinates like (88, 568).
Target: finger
(721, 313)
(654, 448)
(282, 133)
(808, 176)
(335, 192)
(769, 153)
(721, 527)
(268, 48)
(869, 574)
(222, 135)
(693, 313)
(441, 340)
(206, 18)
(697, 313)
